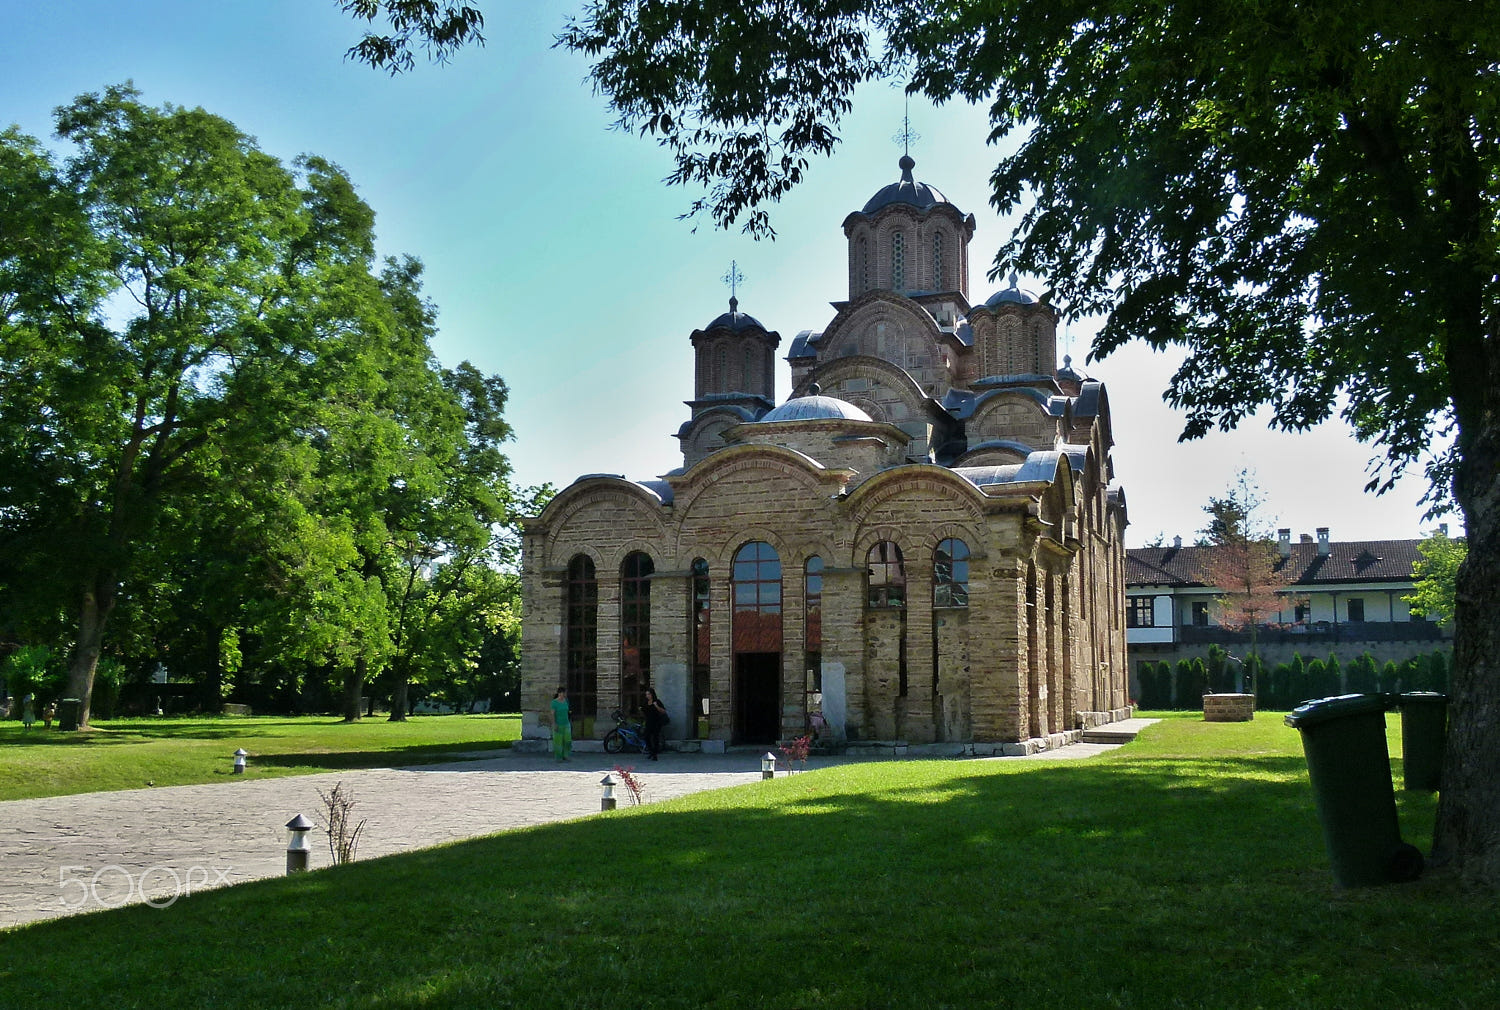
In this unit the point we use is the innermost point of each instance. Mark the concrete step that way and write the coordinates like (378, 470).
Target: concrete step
(1108, 734)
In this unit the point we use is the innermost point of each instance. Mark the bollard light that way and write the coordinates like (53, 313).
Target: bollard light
(239, 760)
(298, 850)
(607, 801)
(768, 765)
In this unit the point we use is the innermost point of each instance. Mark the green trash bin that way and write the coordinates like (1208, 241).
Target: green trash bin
(1424, 736)
(68, 710)
(1350, 768)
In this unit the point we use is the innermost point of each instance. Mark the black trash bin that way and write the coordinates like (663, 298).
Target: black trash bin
(68, 710)
(1350, 768)
(1424, 736)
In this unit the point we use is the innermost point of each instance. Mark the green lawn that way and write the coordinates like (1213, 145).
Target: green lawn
(1184, 870)
(172, 751)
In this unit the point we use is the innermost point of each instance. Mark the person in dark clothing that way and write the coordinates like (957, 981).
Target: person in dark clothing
(655, 718)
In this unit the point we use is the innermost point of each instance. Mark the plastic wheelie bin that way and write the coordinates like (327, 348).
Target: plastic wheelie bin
(1350, 768)
(1424, 736)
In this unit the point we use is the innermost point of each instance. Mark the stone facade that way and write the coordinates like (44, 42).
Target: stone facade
(924, 545)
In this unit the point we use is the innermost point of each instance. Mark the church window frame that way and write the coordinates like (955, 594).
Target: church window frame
(635, 629)
(580, 636)
(950, 573)
(885, 576)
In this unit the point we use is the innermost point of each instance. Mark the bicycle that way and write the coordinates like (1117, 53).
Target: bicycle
(630, 735)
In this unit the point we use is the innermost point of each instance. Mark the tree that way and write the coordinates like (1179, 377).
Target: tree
(1436, 576)
(439, 29)
(1242, 561)
(213, 403)
(1304, 197)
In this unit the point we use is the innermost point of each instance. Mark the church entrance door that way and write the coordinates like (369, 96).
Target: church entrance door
(757, 697)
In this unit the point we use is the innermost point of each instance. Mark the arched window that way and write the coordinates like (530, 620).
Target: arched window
(812, 599)
(582, 617)
(885, 576)
(898, 261)
(635, 630)
(950, 574)
(699, 629)
(757, 598)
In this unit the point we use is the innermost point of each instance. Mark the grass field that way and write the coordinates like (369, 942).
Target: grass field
(1184, 870)
(172, 751)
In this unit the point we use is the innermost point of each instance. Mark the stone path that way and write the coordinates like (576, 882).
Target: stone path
(68, 854)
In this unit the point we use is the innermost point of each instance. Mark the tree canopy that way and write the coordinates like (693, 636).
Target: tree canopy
(222, 427)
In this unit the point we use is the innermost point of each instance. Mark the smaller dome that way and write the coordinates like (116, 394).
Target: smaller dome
(816, 408)
(908, 191)
(1015, 294)
(735, 320)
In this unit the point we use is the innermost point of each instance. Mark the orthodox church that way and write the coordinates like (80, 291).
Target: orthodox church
(924, 544)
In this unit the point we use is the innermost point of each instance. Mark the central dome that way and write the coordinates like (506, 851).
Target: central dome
(907, 191)
(816, 408)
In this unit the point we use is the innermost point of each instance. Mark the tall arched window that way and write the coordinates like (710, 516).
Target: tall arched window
(757, 598)
(582, 622)
(898, 261)
(812, 598)
(699, 629)
(635, 630)
(950, 574)
(885, 576)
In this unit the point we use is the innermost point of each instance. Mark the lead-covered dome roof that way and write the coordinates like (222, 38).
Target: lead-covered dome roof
(907, 191)
(816, 408)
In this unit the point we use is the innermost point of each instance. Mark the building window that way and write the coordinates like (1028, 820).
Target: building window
(1200, 615)
(699, 629)
(1142, 612)
(950, 574)
(757, 598)
(886, 578)
(1356, 610)
(812, 598)
(898, 261)
(635, 630)
(582, 617)
(1299, 613)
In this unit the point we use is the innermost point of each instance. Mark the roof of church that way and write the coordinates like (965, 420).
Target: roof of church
(1015, 294)
(816, 408)
(734, 319)
(1346, 561)
(907, 191)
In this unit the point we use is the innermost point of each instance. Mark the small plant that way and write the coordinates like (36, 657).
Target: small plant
(338, 816)
(795, 751)
(631, 783)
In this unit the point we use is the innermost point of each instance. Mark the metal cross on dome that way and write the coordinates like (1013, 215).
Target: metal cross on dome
(907, 134)
(733, 278)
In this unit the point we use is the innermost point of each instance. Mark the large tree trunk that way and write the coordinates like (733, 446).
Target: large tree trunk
(399, 696)
(1468, 822)
(354, 682)
(98, 604)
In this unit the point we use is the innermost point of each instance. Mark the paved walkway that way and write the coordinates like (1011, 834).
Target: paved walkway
(67, 854)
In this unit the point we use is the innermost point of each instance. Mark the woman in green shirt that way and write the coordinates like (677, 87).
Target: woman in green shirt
(562, 726)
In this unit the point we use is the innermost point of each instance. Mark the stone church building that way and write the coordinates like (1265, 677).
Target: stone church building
(924, 544)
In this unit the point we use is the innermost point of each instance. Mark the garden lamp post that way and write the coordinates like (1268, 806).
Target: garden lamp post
(768, 765)
(607, 801)
(298, 850)
(240, 755)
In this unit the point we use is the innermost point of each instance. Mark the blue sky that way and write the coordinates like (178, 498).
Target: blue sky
(555, 254)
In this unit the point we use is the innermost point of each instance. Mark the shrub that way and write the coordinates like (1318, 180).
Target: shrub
(1335, 673)
(1363, 675)
(1220, 676)
(1389, 677)
(1437, 665)
(1297, 689)
(1183, 697)
(36, 670)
